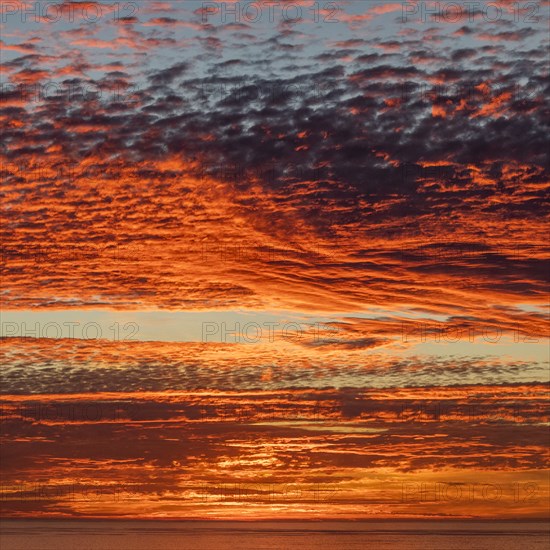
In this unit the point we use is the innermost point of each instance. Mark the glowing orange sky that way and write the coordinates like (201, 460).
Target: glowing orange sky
(378, 184)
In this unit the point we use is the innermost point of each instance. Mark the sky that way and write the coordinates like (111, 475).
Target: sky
(268, 260)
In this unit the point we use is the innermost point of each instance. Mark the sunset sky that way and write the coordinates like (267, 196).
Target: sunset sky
(268, 260)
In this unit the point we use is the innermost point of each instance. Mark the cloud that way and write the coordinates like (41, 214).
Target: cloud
(388, 177)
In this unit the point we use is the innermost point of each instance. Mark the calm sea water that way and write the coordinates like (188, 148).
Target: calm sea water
(197, 535)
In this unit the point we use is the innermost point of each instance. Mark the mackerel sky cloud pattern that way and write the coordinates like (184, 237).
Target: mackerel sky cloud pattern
(274, 259)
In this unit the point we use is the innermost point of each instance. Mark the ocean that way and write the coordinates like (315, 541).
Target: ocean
(282, 535)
